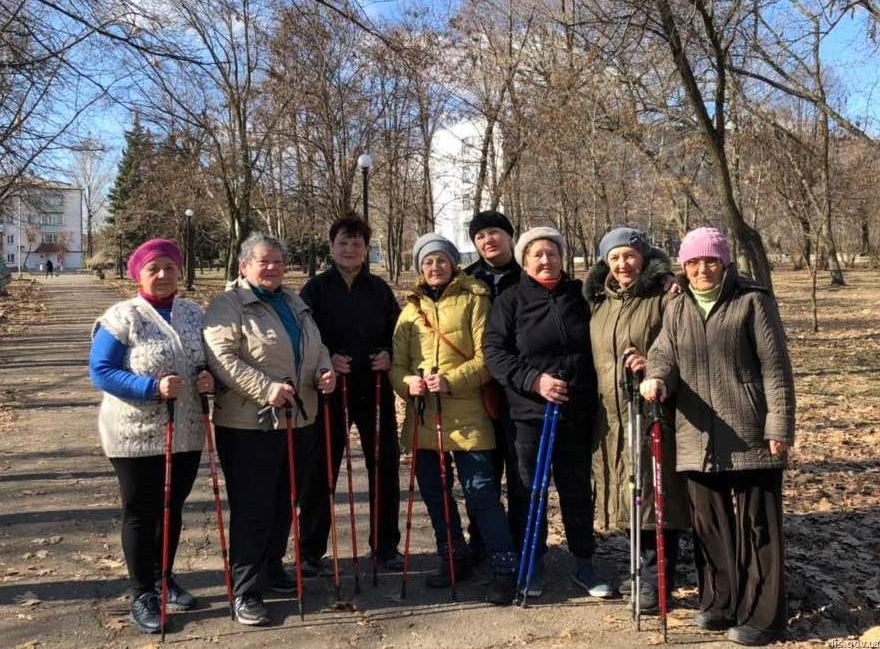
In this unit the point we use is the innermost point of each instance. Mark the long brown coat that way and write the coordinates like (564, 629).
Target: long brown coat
(731, 377)
(622, 319)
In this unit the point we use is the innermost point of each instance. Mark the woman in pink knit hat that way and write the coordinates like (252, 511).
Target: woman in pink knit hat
(722, 355)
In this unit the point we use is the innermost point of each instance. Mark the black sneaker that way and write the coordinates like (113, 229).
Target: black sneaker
(283, 582)
(311, 567)
(714, 621)
(179, 599)
(392, 562)
(145, 612)
(502, 590)
(440, 579)
(249, 610)
(751, 637)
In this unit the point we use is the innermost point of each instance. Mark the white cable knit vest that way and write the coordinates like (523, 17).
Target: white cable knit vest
(155, 348)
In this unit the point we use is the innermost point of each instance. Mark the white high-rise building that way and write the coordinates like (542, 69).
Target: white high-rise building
(39, 221)
(455, 161)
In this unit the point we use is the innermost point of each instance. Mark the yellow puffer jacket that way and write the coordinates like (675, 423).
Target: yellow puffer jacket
(460, 315)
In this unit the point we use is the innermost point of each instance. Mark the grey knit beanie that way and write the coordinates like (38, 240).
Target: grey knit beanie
(619, 237)
(534, 234)
(433, 242)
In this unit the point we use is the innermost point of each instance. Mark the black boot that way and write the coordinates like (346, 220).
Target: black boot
(440, 579)
(501, 590)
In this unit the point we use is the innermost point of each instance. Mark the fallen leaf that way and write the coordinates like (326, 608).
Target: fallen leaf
(872, 635)
(28, 598)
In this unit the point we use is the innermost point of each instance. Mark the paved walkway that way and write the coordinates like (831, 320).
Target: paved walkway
(63, 580)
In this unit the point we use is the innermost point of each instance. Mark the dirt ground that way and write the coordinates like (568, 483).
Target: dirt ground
(62, 578)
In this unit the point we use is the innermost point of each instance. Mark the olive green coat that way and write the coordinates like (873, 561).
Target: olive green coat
(460, 315)
(622, 319)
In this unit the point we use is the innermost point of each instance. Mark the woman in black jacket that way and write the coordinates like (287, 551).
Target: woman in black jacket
(537, 346)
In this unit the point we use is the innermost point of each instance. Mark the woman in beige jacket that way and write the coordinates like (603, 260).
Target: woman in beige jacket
(265, 350)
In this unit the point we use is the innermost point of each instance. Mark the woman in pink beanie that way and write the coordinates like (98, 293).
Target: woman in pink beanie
(722, 354)
(148, 350)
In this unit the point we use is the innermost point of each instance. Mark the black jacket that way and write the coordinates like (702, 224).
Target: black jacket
(532, 330)
(497, 279)
(356, 321)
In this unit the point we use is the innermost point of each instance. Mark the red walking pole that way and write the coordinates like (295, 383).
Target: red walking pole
(418, 412)
(376, 500)
(291, 463)
(444, 485)
(347, 424)
(209, 438)
(657, 457)
(166, 517)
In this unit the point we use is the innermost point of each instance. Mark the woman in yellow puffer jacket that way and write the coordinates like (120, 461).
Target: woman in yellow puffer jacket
(438, 350)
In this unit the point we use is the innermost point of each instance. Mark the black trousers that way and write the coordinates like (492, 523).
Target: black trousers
(362, 413)
(255, 466)
(737, 519)
(571, 470)
(505, 463)
(142, 490)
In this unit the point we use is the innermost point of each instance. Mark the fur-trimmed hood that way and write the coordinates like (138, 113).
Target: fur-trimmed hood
(653, 276)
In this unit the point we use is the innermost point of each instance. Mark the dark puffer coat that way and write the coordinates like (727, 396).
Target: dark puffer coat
(531, 331)
(621, 319)
(731, 377)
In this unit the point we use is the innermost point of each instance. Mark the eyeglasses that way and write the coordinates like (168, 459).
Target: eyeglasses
(711, 263)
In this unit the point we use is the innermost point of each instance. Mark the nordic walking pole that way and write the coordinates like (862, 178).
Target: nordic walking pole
(634, 432)
(209, 439)
(418, 414)
(331, 494)
(346, 422)
(166, 517)
(444, 485)
(291, 464)
(542, 494)
(659, 504)
(523, 575)
(376, 482)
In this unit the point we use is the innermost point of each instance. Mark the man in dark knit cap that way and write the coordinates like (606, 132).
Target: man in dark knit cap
(492, 234)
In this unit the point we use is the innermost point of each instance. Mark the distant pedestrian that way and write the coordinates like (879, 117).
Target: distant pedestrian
(50, 268)
(147, 350)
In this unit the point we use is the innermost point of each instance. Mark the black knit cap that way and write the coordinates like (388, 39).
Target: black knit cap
(490, 219)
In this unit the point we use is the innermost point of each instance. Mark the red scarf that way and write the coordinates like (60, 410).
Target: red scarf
(549, 284)
(158, 302)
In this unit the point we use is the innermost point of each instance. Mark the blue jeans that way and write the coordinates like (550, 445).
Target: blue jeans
(477, 478)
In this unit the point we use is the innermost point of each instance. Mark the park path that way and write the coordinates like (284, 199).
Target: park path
(62, 580)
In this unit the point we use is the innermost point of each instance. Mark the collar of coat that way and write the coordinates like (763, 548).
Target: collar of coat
(654, 273)
(460, 283)
(242, 289)
(732, 282)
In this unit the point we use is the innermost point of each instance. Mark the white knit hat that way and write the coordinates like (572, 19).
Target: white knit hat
(534, 234)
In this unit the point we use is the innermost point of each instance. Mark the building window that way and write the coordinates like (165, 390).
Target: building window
(466, 204)
(10, 238)
(10, 257)
(50, 237)
(52, 219)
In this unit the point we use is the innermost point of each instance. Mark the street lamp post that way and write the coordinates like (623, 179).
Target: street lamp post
(190, 266)
(20, 234)
(364, 162)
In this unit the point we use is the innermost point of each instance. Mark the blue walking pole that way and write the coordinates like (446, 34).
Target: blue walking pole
(525, 553)
(542, 495)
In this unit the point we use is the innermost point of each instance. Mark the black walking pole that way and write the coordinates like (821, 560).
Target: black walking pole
(376, 518)
(291, 463)
(331, 496)
(347, 424)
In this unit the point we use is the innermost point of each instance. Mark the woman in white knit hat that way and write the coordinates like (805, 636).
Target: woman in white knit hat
(537, 346)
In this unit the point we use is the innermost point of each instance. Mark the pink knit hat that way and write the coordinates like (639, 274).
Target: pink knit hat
(150, 250)
(704, 242)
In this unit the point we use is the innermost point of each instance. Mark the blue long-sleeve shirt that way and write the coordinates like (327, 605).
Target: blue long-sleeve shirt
(107, 367)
